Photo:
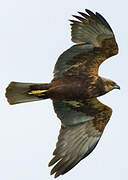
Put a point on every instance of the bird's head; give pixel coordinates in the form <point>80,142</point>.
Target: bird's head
<point>110,85</point>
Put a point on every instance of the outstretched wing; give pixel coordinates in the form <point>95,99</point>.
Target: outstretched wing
<point>83,123</point>
<point>95,43</point>
<point>91,28</point>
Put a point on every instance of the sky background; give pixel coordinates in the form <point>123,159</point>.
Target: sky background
<point>32,36</point>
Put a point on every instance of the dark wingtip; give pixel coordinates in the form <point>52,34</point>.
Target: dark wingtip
<point>88,11</point>
<point>73,21</point>
<point>57,175</point>
<point>50,164</point>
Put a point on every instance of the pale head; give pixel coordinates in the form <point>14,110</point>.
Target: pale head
<point>110,85</point>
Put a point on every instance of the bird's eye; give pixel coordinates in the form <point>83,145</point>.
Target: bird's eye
<point>112,83</point>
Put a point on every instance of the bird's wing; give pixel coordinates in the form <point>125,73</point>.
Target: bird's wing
<point>95,42</point>
<point>83,123</point>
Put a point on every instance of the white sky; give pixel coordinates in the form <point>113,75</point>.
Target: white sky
<point>32,36</point>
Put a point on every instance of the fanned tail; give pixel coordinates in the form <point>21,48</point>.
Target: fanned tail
<point>17,92</point>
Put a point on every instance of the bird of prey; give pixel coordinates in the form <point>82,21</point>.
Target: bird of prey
<point>74,90</point>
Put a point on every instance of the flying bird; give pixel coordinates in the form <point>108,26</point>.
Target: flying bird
<point>74,90</point>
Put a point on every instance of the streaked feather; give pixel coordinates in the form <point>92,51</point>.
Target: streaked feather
<point>95,43</point>
<point>75,142</point>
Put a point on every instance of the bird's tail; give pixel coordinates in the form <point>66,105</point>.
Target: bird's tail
<point>17,92</point>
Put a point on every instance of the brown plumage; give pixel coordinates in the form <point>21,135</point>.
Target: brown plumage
<point>74,91</point>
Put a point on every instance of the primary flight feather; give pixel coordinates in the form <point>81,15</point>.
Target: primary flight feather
<point>74,90</point>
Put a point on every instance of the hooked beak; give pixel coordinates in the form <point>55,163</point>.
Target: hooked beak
<point>117,87</point>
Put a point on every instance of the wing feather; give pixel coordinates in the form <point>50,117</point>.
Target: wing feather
<point>95,42</point>
<point>77,140</point>
<point>94,22</point>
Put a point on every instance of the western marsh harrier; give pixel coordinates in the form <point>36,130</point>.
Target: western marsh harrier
<point>74,90</point>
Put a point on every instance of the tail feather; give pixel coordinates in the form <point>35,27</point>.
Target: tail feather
<point>17,92</point>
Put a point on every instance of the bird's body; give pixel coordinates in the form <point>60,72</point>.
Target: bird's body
<point>73,88</point>
<point>76,88</point>
<point>74,91</point>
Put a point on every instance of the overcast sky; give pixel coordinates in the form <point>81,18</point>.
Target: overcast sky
<point>32,36</point>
